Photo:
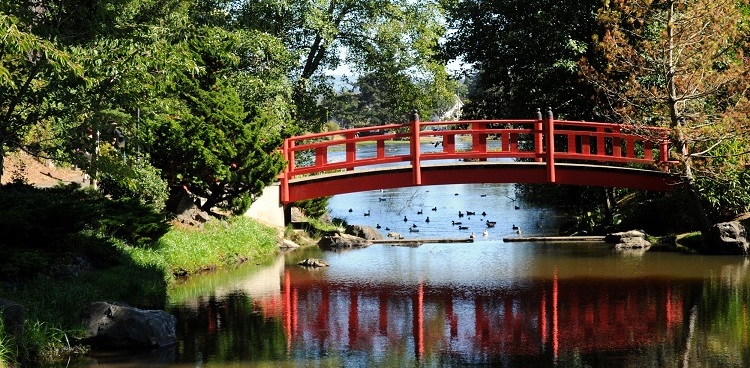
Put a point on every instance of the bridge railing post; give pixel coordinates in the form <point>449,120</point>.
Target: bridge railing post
<point>284,177</point>
<point>351,150</point>
<point>538,143</point>
<point>415,148</point>
<point>664,149</point>
<point>550,135</point>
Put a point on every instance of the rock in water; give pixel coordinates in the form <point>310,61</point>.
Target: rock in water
<point>312,262</point>
<point>727,238</point>
<point>633,239</point>
<point>342,241</point>
<point>117,325</point>
<point>364,232</point>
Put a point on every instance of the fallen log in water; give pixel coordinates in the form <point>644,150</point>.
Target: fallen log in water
<point>418,242</point>
<point>588,238</point>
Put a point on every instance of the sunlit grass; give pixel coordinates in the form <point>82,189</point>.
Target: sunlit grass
<point>185,251</point>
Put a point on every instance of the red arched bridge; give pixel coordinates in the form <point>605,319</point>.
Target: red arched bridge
<point>534,151</point>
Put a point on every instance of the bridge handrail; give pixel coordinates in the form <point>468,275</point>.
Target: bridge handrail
<point>583,141</point>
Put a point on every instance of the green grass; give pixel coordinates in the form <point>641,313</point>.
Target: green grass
<point>184,251</point>
<point>53,305</point>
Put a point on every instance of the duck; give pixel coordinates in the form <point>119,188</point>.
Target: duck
<point>414,226</point>
<point>514,227</point>
<point>419,212</point>
<point>427,219</point>
<point>413,230</point>
<point>518,207</point>
<point>463,228</point>
<point>470,213</point>
<point>351,210</point>
<point>367,213</point>
<point>434,208</point>
<point>377,226</point>
<point>484,213</point>
<point>387,229</point>
<point>490,223</point>
<point>456,222</point>
<point>472,235</point>
<point>405,219</point>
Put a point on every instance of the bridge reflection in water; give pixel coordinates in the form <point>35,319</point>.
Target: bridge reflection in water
<point>542,319</point>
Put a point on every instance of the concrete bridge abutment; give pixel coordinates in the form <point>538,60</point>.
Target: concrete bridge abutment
<point>268,209</point>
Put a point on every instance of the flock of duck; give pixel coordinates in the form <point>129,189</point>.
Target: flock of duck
<point>414,228</point>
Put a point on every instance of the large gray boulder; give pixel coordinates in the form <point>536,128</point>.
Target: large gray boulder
<point>343,241</point>
<point>729,237</point>
<point>13,316</point>
<point>364,232</point>
<point>118,325</point>
<point>632,239</point>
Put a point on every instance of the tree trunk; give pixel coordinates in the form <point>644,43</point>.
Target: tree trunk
<point>2,162</point>
<point>677,124</point>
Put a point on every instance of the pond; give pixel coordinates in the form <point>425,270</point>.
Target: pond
<point>489,302</point>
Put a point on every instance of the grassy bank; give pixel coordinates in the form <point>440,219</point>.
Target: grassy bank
<point>120,265</point>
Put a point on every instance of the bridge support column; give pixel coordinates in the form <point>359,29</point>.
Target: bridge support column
<point>550,137</point>
<point>415,148</point>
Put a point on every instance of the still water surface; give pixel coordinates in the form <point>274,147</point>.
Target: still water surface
<point>487,303</point>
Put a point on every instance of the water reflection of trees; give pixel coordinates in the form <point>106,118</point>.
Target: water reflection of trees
<point>722,321</point>
<point>569,322</point>
<point>229,329</point>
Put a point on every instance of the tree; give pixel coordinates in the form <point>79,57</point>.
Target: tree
<point>523,55</point>
<point>31,65</point>
<point>679,65</point>
<point>210,140</point>
<point>396,39</point>
<point>384,98</point>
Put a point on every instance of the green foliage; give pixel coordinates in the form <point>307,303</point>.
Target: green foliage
<point>211,142</point>
<point>393,39</point>
<point>723,180</point>
<point>49,227</point>
<point>137,180</point>
<point>524,55</point>
<point>314,208</point>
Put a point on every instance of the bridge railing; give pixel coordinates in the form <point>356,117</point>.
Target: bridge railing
<point>541,140</point>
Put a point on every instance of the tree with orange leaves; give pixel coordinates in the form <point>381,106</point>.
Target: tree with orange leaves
<point>681,65</point>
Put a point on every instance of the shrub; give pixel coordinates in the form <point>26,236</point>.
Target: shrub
<point>44,227</point>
